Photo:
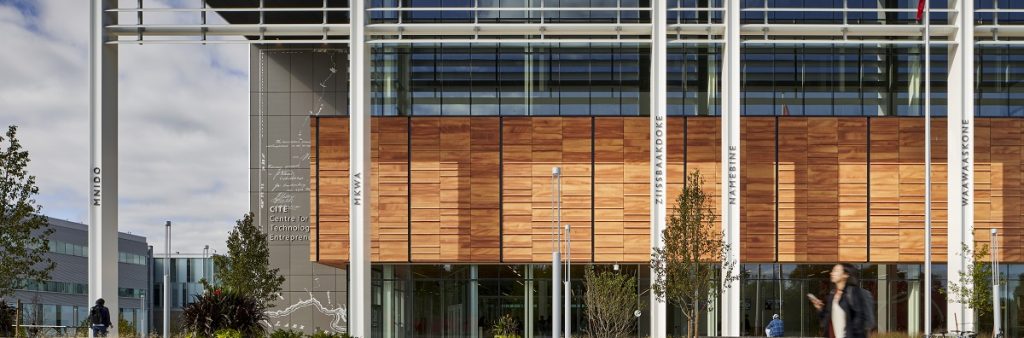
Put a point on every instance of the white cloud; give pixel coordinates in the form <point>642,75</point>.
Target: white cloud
<point>184,128</point>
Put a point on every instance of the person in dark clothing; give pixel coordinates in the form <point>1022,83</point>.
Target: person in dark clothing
<point>844,313</point>
<point>99,318</point>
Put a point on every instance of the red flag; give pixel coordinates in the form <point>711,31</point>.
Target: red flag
<point>920,9</point>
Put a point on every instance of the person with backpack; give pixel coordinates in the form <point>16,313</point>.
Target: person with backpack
<point>99,319</point>
<point>850,310</point>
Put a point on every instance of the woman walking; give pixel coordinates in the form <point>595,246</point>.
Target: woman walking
<point>848,312</point>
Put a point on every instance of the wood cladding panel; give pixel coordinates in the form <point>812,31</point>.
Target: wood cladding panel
<point>676,166</point>
<point>485,188</point>
<point>998,146</point>
<point>459,170</point>
<point>897,190</point>
<point>757,189</point>
<point>531,147</point>
<point>621,189</point>
<point>330,190</point>
<point>852,143</point>
<point>454,189</point>
<point>390,189</point>
<point>704,154</point>
<point>822,189</point>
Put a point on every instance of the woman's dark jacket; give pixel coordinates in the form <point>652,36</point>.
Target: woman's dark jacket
<point>855,309</point>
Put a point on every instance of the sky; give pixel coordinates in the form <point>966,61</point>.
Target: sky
<point>183,133</point>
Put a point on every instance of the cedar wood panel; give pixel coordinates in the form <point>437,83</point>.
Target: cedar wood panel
<point>482,191</point>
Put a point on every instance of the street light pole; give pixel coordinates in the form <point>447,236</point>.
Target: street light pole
<point>568,283</point>
<point>556,250</point>
<point>997,325</point>
<point>167,280</point>
<point>927,172</point>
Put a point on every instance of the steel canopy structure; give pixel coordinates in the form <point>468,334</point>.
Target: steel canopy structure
<point>661,25</point>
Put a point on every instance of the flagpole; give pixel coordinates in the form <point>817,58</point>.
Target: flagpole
<point>927,171</point>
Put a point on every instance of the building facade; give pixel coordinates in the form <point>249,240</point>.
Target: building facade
<point>806,119</point>
<point>62,301</point>
<point>187,271</point>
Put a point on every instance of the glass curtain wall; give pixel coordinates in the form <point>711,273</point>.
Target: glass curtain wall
<point>441,300</point>
<point>511,80</point>
<point>769,289</point>
<point>1000,88</point>
<point>845,80</point>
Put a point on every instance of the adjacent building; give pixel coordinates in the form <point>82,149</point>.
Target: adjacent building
<point>62,301</point>
<point>187,271</point>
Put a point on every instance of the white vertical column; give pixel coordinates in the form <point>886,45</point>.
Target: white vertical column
<point>960,156</point>
<point>658,113</point>
<point>359,312</point>
<point>103,158</point>
<point>913,309</point>
<point>882,308</point>
<point>388,301</point>
<point>731,166</point>
<point>474,303</point>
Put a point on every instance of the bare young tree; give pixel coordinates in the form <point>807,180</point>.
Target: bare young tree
<point>688,269</point>
<point>611,299</point>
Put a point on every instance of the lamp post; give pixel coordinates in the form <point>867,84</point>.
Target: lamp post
<point>556,250</point>
<point>568,283</point>
<point>167,280</point>
<point>927,172</point>
<point>997,325</point>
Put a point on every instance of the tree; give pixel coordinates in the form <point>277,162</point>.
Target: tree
<point>975,288</point>
<point>246,268</point>
<point>689,268</point>
<point>24,232</point>
<point>611,299</point>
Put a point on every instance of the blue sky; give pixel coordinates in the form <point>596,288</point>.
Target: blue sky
<point>184,126</point>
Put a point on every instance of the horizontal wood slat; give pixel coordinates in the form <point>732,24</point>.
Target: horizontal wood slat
<point>998,145</point>
<point>757,189</point>
<point>897,189</point>
<point>390,192</point>
<point>622,189</point>
<point>532,146</point>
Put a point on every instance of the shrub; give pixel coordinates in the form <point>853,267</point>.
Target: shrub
<point>227,333</point>
<point>506,327</point>
<point>325,334</point>
<point>286,333</point>
<point>611,299</point>
<point>218,309</point>
<point>126,329</point>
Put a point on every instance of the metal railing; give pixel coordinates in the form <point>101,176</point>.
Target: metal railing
<point>535,21</point>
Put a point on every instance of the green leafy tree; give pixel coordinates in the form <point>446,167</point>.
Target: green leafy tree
<point>246,268</point>
<point>975,289</point>
<point>687,268</point>
<point>24,232</point>
<point>611,300</point>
